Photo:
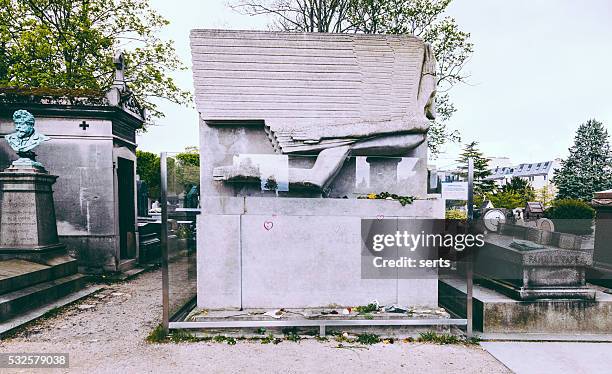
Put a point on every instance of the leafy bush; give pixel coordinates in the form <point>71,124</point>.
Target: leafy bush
<point>509,199</point>
<point>363,309</point>
<point>455,214</point>
<point>571,216</point>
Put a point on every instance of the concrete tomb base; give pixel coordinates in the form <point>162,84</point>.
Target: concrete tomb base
<point>34,266</point>
<point>495,312</point>
<point>298,253</point>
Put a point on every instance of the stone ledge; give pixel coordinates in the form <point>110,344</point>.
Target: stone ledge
<point>430,207</point>
<point>497,313</point>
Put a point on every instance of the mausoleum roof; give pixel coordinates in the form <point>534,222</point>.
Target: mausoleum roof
<point>61,101</point>
<point>45,95</point>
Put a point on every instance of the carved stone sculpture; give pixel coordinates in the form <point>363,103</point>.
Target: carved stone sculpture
<point>331,95</point>
<point>25,139</point>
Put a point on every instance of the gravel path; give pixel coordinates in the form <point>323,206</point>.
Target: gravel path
<point>105,333</point>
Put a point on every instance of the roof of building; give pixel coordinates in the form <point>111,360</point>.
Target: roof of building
<point>535,207</point>
<point>522,170</point>
<point>39,100</point>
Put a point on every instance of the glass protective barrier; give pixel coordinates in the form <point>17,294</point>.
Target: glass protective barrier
<point>300,233</point>
<point>179,209</point>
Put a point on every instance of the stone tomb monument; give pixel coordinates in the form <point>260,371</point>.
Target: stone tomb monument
<point>93,153</point>
<point>294,127</point>
<point>34,265</point>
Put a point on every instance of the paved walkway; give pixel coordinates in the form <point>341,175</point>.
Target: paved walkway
<point>545,358</point>
<point>105,333</point>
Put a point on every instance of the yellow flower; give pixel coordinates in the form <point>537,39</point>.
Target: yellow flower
<point>372,196</point>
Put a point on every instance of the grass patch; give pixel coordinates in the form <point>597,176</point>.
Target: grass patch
<point>368,339</point>
<point>218,339</point>
<point>225,339</point>
<point>344,338</point>
<point>271,339</point>
<point>179,336</point>
<point>292,334</point>
<point>157,335</point>
<point>293,338</point>
<point>433,337</point>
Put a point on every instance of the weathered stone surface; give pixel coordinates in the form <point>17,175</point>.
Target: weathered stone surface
<point>603,195</point>
<point>498,313</point>
<point>533,274</point>
<point>84,160</point>
<point>27,213</point>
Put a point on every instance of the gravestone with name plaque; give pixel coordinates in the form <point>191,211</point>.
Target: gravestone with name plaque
<point>27,212</point>
<point>35,267</point>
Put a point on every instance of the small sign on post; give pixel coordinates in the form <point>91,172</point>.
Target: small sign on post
<point>455,191</point>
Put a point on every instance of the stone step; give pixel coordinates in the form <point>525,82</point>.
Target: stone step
<point>17,273</point>
<point>496,313</point>
<point>16,302</point>
<point>125,265</point>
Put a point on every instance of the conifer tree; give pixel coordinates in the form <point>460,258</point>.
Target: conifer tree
<point>482,186</point>
<point>588,168</point>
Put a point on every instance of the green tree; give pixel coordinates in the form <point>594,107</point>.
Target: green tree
<point>588,168</point>
<point>70,44</point>
<point>546,194</point>
<point>482,186</point>
<point>191,156</point>
<point>148,169</point>
<point>508,199</point>
<point>520,186</point>
<point>187,169</point>
<point>422,18</point>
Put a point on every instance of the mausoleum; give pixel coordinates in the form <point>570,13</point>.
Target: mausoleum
<point>93,153</point>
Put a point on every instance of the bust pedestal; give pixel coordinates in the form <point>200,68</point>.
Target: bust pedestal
<point>27,212</point>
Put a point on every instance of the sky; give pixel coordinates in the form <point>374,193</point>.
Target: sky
<point>539,69</point>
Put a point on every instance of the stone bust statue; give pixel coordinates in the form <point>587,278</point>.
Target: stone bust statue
<point>25,139</point>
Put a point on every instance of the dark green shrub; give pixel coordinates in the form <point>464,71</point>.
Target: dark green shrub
<point>571,216</point>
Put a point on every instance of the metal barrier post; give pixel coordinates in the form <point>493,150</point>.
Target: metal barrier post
<point>164,242</point>
<point>469,269</point>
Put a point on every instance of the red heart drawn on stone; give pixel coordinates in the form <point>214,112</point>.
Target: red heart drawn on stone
<point>380,216</point>
<point>268,225</point>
